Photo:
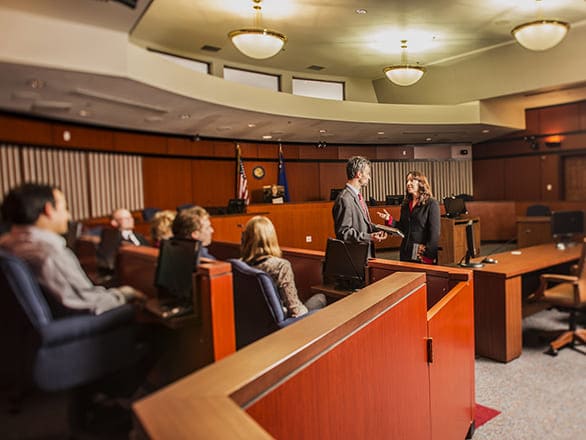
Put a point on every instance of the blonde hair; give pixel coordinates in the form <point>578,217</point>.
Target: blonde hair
<point>161,225</point>
<point>259,239</point>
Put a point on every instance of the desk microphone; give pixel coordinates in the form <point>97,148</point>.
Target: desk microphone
<point>488,260</point>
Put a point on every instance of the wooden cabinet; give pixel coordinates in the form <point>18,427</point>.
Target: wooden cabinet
<point>453,239</point>
<point>533,230</point>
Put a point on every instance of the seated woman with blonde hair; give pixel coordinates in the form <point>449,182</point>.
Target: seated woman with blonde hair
<point>161,226</point>
<point>260,249</point>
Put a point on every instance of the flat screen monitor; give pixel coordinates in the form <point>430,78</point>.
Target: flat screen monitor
<point>567,224</point>
<point>334,193</point>
<point>107,250</point>
<point>236,206</point>
<point>394,200</point>
<point>345,264</point>
<point>471,250</point>
<point>455,207</point>
<point>175,266</point>
<point>270,192</point>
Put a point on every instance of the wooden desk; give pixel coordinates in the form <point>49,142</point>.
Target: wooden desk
<point>498,297</point>
<point>330,291</point>
<point>533,230</point>
<point>453,238</point>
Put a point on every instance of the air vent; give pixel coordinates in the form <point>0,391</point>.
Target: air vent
<point>314,67</point>
<point>58,106</point>
<point>209,48</point>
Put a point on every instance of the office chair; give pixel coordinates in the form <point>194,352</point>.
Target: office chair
<point>568,294</point>
<point>53,353</point>
<point>257,305</point>
<point>538,211</point>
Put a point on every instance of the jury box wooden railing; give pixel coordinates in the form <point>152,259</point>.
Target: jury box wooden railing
<point>363,367</point>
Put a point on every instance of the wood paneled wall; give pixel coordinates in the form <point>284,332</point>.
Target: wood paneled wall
<point>523,166</point>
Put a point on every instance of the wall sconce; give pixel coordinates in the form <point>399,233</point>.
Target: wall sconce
<point>553,141</point>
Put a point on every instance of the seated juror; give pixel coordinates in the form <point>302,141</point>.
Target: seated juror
<point>38,214</point>
<point>194,223</point>
<point>123,220</point>
<point>260,249</point>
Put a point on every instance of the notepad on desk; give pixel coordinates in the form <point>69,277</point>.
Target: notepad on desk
<point>390,230</point>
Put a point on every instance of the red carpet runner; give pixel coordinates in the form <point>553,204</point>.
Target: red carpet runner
<point>484,414</point>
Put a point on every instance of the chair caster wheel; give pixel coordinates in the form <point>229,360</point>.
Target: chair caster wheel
<point>552,352</point>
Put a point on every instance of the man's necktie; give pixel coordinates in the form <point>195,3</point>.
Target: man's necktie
<point>363,205</point>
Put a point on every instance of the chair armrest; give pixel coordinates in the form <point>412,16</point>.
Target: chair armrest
<point>82,326</point>
<point>558,278</point>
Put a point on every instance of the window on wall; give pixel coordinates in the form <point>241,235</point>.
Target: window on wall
<point>254,79</point>
<point>318,89</point>
<point>198,66</point>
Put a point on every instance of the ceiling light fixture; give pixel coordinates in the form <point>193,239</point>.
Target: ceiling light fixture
<point>540,34</point>
<point>257,42</point>
<point>404,74</point>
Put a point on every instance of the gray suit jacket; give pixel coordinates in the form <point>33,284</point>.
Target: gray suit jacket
<point>350,222</point>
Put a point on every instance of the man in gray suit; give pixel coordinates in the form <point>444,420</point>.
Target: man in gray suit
<point>351,218</point>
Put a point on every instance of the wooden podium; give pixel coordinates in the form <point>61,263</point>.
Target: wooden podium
<point>453,238</point>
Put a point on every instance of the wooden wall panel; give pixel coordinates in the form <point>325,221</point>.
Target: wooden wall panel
<point>139,143</point>
<point>551,184</point>
<point>395,152</point>
<point>82,137</point>
<point>303,181</point>
<point>224,149</point>
<point>489,178</point>
<point>314,153</point>
<point>522,179</point>
<point>583,115</point>
<point>26,131</point>
<point>188,147</point>
<point>331,175</point>
<point>167,182</point>
<point>531,124</point>
<point>559,118</point>
<point>249,150</point>
<point>291,151</point>
<point>497,219</point>
<point>214,182</point>
<point>346,152</point>
<point>575,178</point>
<point>268,151</point>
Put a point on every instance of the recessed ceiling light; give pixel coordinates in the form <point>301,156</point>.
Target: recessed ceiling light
<point>85,113</point>
<point>428,139</point>
<point>185,116</point>
<point>322,131</point>
<point>267,136</point>
<point>380,133</point>
<point>486,130</point>
<point>251,125</point>
<point>361,11</point>
<point>153,119</point>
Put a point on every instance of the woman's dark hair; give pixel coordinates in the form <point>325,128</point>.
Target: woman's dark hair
<point>24,204</point>
<point>424,188</point>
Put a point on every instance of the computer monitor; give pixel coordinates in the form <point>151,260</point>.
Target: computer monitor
<point>107,250</point>
<point>566,225</point>
<point>236,206</point>
<point>334,193</point>
<point>345,264</point>
<point>394,199</point>
<point>455,207</point>
<point>177,261</point>
<point>471,250</point>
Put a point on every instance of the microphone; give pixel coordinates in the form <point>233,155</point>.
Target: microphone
<point>489,260</point>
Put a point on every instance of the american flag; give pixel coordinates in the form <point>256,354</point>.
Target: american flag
<point>242,185</point>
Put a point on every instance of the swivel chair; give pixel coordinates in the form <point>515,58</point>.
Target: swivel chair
<point>538,211</point>
<point>258,311</point>
<point>53,353</point>
<point>567,293</point>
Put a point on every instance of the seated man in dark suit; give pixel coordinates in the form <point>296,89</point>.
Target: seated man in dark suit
<point>39,216</point>
<point>123,220</point>
<point>194,223</point>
